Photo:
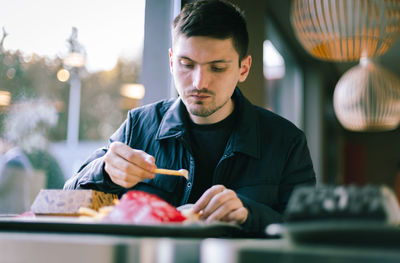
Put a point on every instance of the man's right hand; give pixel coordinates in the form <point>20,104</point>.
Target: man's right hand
<point>126,166</point>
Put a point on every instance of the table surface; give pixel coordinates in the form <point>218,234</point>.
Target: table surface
<point>56,247</point>
<point>27,244</point>
<point>198,229</point>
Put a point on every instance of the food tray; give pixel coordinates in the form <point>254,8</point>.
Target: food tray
<point>345,232</point>
<point>75,225</point>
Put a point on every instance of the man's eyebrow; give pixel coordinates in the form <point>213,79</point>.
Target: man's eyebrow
<point>210,62</point>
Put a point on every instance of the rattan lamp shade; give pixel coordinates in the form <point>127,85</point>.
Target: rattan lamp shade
<point>346,30</point>
<point>367,98</point>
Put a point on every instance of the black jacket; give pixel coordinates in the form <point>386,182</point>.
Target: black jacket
<point>265,158</point>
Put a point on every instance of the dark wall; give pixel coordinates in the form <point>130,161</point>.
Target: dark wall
<point>371,157</point>
<point>254,87</point>
<point>348,157</point>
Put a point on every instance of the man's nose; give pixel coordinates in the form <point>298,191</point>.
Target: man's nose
<point>200,78</point>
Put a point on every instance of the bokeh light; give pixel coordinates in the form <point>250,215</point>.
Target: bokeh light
<point>133,91</point>
<point>63,75</point>
<point>5,98</point>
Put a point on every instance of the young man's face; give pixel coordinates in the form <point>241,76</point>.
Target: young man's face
<point>206,71</point>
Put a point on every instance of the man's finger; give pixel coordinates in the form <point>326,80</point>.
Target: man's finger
<point>206,197</point>
<point>137,157</point>
<point>119,177</point>
<point>223,210</point>
<point>239,215</point>
<point>113,160</point>
<point>221,200</point>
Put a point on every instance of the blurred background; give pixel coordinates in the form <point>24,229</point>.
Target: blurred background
<point>70,71</point>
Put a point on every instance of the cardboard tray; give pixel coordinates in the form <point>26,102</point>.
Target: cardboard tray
<point>68,202</point>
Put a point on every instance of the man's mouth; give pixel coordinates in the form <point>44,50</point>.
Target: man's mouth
<point>200,96</point>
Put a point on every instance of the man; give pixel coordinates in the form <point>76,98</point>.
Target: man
<point>243,161</point>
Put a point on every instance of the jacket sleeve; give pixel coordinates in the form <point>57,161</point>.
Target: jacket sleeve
<point>91,175</point>
<point>298,170</point>
<point>259,217</point>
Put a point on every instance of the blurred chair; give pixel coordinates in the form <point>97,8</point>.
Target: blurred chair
<point>16,174</point>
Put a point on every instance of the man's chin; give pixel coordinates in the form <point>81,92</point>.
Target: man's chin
<point>200,111</point>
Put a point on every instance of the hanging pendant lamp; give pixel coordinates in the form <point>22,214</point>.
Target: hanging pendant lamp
<point>346,30</point>
<point>367,98</point>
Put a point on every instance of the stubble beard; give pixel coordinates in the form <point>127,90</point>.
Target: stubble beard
<point>200,109</point>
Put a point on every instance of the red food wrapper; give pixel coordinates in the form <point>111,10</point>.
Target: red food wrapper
<point>137,207</point>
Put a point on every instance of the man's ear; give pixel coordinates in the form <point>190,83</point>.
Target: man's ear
<point>170,59</point>
<point>245,66</point>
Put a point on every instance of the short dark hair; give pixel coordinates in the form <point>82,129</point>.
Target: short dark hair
<point>213,18</point>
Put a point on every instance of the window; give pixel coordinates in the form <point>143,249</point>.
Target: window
<point>69,72</point>
<point>283,77</point>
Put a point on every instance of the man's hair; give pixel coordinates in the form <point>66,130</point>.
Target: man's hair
<point>216,19</point>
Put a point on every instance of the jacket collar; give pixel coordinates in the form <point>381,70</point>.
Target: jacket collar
<point>245,137</point>
<point>172,123</point>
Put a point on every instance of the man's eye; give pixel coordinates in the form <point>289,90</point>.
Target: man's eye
<point>186,64</point>
<point>217,69</point>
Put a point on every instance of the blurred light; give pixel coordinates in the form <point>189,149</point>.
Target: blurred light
<point>75,60</point>
<point>274,64</point>
<point>11,73</point>
<point>5,98</point>
<point>63,75</point>
<point>367,98</point>
<point>133,91</point>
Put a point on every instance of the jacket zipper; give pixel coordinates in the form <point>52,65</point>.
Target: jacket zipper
<point>189,183</point>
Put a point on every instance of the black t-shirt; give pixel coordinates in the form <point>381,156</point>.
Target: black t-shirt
<point>208,142</point>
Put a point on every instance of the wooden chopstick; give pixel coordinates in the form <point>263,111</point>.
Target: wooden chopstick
<point>181,172</point>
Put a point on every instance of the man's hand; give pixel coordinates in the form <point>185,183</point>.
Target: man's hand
<point>220,203</point>
<point>127,166</point>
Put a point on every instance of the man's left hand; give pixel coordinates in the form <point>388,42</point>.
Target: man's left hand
<point>220,203</point>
